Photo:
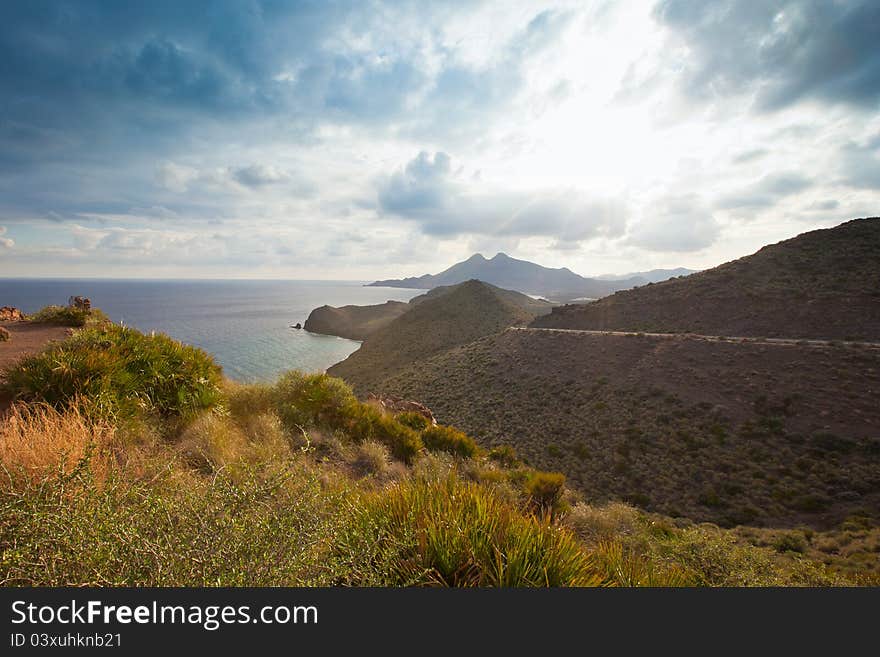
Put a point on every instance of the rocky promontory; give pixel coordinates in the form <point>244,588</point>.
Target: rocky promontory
<point>354,322</point>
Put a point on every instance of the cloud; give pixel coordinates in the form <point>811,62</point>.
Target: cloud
<point>5,242</point>
<point>257,175</point>
<point>236,136</point>
<point>824,206</point>
<point>447,203</point>
<point>174,177</point>
<point>766,192</point>
<point>859,164</point>
<point>781,52</point>
<point>676,224</point>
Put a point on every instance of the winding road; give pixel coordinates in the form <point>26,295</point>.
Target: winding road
<point>794,342</point>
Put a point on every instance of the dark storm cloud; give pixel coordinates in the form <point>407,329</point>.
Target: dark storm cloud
<point>782,51</point>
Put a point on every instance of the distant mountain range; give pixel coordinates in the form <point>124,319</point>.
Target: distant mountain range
<point>512,274</point>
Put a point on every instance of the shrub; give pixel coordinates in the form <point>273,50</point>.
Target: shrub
<point>403,442</point>
<point>363,422</point>
<point>413,420</point>
<point>371,458</point>
<point>452,533</point>
<point>812,503</point>
<point>117,371</point>
<point>5,335</point>
<point>828,442</point>
<point>213,442</point>
<point>67,316</point>
<point>245,400</point>
<point>446,439</point>
<point>596,524</point>
<point>545,490</point>
<point>791,542</point>
<point>505,455</point>
<point>304,400</point>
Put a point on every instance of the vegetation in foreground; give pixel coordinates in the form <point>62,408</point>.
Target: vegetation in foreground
<point>777,438</point>
<point>299,483</point>
<point>68,316</point>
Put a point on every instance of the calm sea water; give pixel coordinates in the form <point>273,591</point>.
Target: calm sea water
<point>245,324</point>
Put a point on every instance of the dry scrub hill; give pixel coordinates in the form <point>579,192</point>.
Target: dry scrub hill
<point>444,319</point>
<point>774,435</point>
<point>822,284</point>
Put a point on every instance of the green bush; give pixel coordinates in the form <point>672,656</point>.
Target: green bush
<point>304,400</point>
<point>67,316</point>
<point>545,490</point>
<point>791,542</point>
<point>403,442</point>
<point>446,439</point>
<point>452,533</point>
<point>116,371</point>
<point>505,455</point>
<point>363,422</point>
<point>413,420</point>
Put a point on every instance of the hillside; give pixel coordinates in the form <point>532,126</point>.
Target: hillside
<point>354,322</point>
<point>443,320</point>
<point>822,284</point>
<point>652,276</point>
<point>732,433</point>
<point>360,322</point>
<point>512,274</point>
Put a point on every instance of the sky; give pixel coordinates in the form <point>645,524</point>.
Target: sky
<point>363,140</point>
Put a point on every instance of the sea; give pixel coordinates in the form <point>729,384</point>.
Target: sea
<point>245,324</point>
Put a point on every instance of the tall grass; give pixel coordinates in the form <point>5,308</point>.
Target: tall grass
<point>453,533</point>
<point>215,531</point>
<point>37,443</point>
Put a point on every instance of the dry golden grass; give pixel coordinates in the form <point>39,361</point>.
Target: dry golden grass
<point>596,524</point>
<point>39,442</point>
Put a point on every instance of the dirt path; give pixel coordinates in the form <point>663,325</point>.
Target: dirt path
<point>26,339</point>
<point>711,338</point>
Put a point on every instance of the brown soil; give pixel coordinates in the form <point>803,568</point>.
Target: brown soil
<point>26,338</point>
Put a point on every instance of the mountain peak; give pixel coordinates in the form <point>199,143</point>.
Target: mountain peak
<point>477,257</point>
<point>501,256</point>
